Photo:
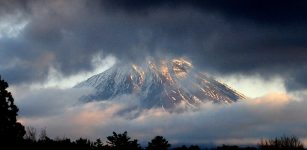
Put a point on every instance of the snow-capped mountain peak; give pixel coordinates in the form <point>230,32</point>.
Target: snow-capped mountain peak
<point>164,83</point>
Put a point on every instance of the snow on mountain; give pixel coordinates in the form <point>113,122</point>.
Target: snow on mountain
<point>165,83</point>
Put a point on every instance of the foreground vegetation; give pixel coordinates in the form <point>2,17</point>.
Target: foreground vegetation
<point>121,141</point>
<point>14,136</point>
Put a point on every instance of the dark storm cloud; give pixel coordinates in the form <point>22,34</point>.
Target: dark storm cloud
<point>244,37</point>
<point>272,11</point>
<point>13,6</point>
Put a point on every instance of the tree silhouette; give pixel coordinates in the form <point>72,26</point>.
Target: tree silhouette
<point>84,144</point>
<point>30,134</point>
<point>98,145</point>
<point>122,142</point>
<point>11,131</point>
<point>194,147</point>
<point>183,147</point>
<point>281,143</point>
<point>158,143</point>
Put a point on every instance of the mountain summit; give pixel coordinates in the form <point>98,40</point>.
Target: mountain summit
<point>165,83</point>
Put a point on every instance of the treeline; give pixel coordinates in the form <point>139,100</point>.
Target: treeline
<point>121,141</point>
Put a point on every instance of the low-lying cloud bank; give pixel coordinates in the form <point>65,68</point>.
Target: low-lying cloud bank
<point>244,122</point>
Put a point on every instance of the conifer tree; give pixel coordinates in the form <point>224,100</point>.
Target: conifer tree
<point>11,131</point>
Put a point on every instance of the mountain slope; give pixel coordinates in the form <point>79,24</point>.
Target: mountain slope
<point>159,84</point>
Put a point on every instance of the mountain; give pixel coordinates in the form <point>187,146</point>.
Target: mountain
<point>165,83</point>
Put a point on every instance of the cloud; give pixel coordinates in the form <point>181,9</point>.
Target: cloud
<point>224,37</point>
<point>253,85</point>
<point>49,101</point>
<point>56,79</point>
<point>8,7</point>
<point>273,11</point>
<point>269,116</point>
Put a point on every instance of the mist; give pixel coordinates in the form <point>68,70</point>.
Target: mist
<point>243,122</point>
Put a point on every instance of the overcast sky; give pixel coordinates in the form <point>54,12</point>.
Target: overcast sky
<point>256,46</point>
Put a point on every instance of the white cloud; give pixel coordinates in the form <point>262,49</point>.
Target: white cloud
<point>49,101</point>
<point>253,85</point>
<point>12,25</point>
<point>246,121</point>
<point>56,79</point>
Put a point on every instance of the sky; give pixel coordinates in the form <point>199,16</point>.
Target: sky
<point>257,47</point>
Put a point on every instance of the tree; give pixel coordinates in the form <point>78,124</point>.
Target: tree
<point>98,145</point>
<point>122,142</point>
<point>281,143</point>
<point>183,147</point>
<point>11,131</point>
<point>30,134</point>
<point>43,135</point>
<point>194,147</point>
<point>228,147</point>
<point>158,143</point>
<point>83,144</point>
